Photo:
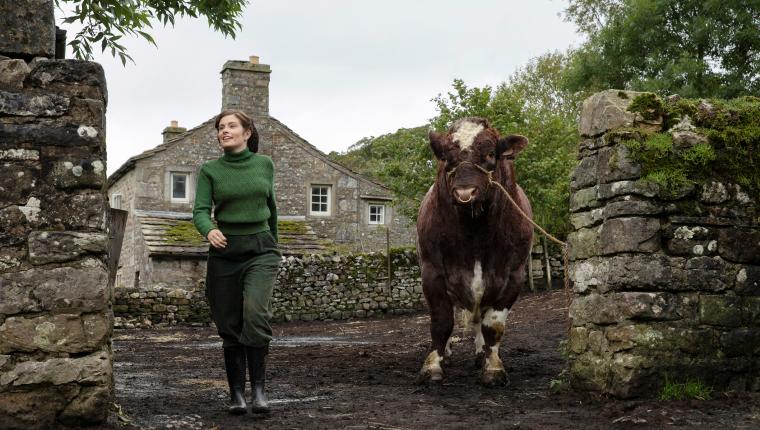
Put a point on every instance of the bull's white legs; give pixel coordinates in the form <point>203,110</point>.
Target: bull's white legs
<point>431,369</point>
<point>441,326</point>
<point>490,333</point>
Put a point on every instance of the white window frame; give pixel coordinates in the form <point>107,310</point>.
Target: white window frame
<point>116,197</point>
<point>328,203</point>
<point>381,214</point>
<point>186,199</point>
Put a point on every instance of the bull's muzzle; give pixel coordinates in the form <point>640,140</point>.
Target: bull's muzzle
<point>465,195</point>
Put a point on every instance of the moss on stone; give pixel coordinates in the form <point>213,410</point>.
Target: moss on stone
<point>293,227</point>
<point>649,105</point>
<point>184,232</point>
<point>731,153</point>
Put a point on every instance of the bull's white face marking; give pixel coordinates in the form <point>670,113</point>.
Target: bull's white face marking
<point>466,133</point>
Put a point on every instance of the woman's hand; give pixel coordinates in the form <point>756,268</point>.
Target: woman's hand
<point>216,238</point>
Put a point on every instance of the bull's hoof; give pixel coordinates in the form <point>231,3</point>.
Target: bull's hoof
<point>494,378</point>
<point>430,376</point>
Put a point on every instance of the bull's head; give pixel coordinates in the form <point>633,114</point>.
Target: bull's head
<point>470,152</point>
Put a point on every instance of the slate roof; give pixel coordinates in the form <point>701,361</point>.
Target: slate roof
<point>173,234</point>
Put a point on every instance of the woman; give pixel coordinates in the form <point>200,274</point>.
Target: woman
<point>243,256</point>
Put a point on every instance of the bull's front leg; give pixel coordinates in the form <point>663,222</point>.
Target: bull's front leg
<point>492,327</point>
<point>491,331</point>
<point>441,326</point>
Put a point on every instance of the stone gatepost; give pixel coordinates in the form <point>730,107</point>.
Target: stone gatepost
<point>55,317</point>
<point>666,285</point>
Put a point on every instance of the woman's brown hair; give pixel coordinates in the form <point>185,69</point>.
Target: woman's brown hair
<point>246,122</point>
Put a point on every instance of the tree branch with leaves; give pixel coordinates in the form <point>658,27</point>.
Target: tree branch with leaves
<point>105,22</point>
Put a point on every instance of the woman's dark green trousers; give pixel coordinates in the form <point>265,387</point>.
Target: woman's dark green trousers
<point>239,283</point>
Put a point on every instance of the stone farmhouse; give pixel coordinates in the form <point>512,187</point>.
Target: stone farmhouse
<point>322,205</point>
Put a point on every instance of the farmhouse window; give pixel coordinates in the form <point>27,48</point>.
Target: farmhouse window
<point>376,214</point>
<point>116,201</point>
<point>179,187</point>
<point>320,200</point>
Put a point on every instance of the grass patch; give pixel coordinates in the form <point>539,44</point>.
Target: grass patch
<point>560,384</point>
<point>691,389</point>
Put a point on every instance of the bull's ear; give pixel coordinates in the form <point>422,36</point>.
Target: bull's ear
<point>510,146</point>
<point>437,143</point>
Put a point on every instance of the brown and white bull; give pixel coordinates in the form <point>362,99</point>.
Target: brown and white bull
<point>472,243</point>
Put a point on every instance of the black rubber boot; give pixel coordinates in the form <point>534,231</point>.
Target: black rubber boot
<point>257,370</point>
<point>234,363</point>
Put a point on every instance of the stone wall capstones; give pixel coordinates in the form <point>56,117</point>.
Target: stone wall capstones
<point>55,317</point>
<point>666,283</point>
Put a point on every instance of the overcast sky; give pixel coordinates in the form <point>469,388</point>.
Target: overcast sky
<point>341,69</point>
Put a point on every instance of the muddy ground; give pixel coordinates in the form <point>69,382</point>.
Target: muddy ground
<point>360,375</point>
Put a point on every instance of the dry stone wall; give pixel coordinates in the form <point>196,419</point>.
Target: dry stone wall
<point>537,270</point>
<point>55,316</point>
<point>312,287</point>
<point>667,285</point>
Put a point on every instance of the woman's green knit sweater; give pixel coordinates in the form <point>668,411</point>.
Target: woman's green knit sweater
<point>241,189</point>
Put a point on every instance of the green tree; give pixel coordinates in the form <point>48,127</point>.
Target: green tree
<point>694,48</point>
<point>531,102</point>
<point>402,161</point>
<point>106,21</point>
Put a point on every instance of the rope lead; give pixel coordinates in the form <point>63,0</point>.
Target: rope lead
<point>565,257</point>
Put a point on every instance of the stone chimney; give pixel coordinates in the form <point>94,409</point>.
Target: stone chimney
<point>172,131</point>
<point>28,29</point>
<point>245,86</point>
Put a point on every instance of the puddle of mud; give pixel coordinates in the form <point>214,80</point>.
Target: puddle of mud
<point>294,341</point>
<point>301,400</point>
<point>288,342</point>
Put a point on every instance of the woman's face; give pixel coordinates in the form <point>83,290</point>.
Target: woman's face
<point>231,134</point>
